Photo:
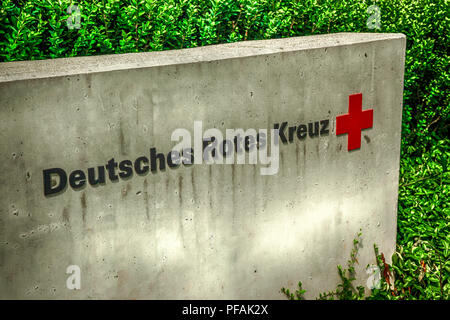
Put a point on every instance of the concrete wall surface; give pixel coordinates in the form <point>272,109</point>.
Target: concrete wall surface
<point>198,231</point>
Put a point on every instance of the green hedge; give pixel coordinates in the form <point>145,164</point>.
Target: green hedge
<point>37,30</point>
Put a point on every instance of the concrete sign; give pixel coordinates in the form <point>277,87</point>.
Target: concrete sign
<point>225,171</point>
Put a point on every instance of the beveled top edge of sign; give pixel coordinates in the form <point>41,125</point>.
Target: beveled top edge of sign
<point>39,69</point>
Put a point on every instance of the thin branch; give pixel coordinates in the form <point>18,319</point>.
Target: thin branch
<point>422,179</point>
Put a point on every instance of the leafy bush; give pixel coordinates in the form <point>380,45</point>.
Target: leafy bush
<point>37,30</point>
<point>345,290</point>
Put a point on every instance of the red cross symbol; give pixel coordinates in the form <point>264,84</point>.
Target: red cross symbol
<point>354,121</point>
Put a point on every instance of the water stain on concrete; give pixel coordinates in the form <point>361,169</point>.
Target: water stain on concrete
<point>233,190</point>
<point>83,206</point>
<point>282,163</point>
<point>121,140</point>
<point>65,215</point>
<point>180,190</point>
<point>167,184</point>
<point>125,190</point>
<point>210,184</point>
<point>146,199</point>
<point>194,191</point>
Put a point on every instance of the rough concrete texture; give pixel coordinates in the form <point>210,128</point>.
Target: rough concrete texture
<point>203,231</point>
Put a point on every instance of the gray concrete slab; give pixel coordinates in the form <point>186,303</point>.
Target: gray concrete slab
<point>200,231</point>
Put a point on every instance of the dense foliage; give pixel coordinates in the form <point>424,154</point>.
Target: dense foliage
<point>37,30</point>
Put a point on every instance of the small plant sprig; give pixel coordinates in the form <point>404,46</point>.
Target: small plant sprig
<point>345,290</point>
<point>408,277</point>
<point>297,295</point>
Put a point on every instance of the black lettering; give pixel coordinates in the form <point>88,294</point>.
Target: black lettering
<point>226,147</point>
<point>48,188</point>
<point>324,129</point>
<point>139,168</point>
<point>249,143</point>
<point>302,132</point>
<point>173,159</point>
<point>206,145</point>
<point>188,156</point>
<point>93,181</point>
<point>313,133</point>
<point>291,133</point>
<point>157,156</point>
<point>111,167</point>
<point>281,131</point>
<point>126,169</point>
<point>77,179</point>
